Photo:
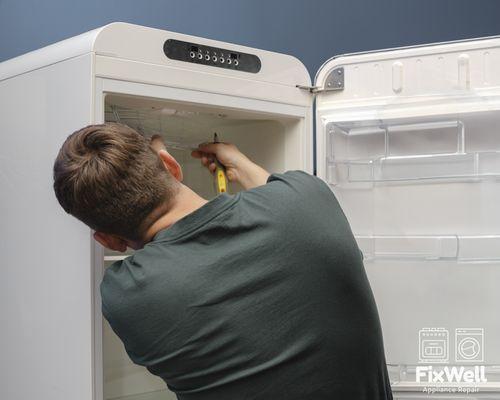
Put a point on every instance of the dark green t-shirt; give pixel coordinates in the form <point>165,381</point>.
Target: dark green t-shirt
<point>260,295</point>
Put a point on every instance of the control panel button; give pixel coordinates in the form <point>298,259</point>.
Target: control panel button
<point>211,56</point>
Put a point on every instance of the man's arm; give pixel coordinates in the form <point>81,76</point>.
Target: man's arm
<point>239,168</point>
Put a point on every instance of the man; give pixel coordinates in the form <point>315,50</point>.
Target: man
<point>258,295</point>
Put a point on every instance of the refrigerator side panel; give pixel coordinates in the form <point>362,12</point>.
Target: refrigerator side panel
<point>46,285</point>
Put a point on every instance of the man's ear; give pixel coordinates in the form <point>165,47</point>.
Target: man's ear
<point>171,164</point>
<point>111,242</point>
<point>157,143</point>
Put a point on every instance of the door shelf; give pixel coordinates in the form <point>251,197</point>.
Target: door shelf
<point>464,147</point>
<point>463,249</point>
<point>467,166</point>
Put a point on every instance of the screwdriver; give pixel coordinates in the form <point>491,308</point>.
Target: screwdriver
<point>220,173</point>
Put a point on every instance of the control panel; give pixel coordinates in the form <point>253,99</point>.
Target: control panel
<point>213,56</point>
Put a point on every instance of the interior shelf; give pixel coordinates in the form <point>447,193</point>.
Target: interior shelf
<point>446,247</point>
<point>112,256</point>
<point>462,248</point>
<point>463,147</point>
<point>156,395</point>
<point>115,257</point>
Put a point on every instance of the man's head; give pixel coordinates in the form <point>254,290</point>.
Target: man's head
<point>115,181</point>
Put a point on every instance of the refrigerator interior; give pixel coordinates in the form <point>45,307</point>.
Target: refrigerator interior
<point>270,140</point>
<point>422,195</point>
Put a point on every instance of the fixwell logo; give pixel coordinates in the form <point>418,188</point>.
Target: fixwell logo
<point>430,374</point>
<point>434,348</point>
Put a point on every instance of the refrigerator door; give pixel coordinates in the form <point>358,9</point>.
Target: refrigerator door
<point>409,141</point>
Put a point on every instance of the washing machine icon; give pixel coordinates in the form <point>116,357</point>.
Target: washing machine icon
<point>469,345</point>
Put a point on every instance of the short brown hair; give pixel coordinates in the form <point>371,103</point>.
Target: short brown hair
<point>110,178</point>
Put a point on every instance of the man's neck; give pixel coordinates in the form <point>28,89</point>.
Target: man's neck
<point>186,201</point>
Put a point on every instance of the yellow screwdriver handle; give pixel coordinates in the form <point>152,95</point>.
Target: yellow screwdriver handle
<point>220,178</point>
<point>220,174</point>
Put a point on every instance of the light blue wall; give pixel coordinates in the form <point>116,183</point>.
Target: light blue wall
<point>311,30</point>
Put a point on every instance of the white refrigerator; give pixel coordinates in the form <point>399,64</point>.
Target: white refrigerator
<point>408,139</point>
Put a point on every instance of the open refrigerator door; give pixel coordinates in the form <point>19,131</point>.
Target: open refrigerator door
<point>409,142</point>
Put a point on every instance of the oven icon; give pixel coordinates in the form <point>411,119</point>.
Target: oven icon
<point>433,345</point>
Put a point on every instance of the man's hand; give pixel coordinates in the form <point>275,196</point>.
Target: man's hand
<point>239,168</point>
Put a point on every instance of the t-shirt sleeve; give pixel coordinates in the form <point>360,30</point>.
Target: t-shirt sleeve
<point>312,196</point>
<point>307,196</point>
<point>302,183</point>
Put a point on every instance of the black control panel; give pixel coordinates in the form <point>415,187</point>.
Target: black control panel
<point>213,56</point>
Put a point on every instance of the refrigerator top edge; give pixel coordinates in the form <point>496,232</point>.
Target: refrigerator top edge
<point>66,49</point>
<point>436,78</point>
<point>126,41</point>
<point>398,52</point>
<point>374,81</point>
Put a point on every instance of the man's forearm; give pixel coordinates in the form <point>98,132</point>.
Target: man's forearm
<point>239,167</point>
<point>251,175</point>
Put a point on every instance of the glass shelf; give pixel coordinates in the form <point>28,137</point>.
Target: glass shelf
<point>447,247</point>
